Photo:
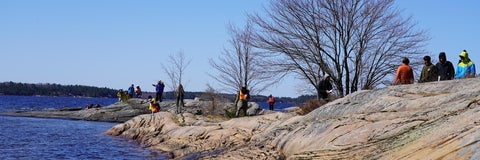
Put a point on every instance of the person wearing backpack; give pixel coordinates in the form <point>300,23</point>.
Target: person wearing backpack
<point>271,102</point>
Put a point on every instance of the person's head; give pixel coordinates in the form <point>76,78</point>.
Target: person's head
<point>132,85</point>
<point>427,60</point>
<point>270,95</point>
<point>442,57</point>
<point>464,56</point>
<point>405,60</point>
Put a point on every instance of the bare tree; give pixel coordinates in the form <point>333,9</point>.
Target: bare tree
<point>358,43</point>
<point>175,68</point>
<point>240,65</point>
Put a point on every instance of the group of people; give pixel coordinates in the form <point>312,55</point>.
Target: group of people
<point>243,97</point>
<point>154,102</point>
<point>132,92</point>
<point>443,70</point>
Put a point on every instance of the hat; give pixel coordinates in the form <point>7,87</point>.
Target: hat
<point>442,54</point>
<point>464,54</point>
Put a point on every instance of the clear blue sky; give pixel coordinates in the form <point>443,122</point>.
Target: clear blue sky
<point>115,43</point>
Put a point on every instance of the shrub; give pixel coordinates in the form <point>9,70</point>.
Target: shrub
<point>310,105</point>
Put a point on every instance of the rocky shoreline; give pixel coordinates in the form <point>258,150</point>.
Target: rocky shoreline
<point>437,120</point>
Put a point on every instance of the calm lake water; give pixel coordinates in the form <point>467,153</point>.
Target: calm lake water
<point>41,138</point>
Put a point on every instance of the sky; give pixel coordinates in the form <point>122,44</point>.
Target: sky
<point>116,43</point>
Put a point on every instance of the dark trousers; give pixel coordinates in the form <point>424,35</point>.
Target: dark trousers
<point>180,103</point>
<point>323,94</point>
<point>243,106</point>
<point>270,106</point>
<point>158,96</point>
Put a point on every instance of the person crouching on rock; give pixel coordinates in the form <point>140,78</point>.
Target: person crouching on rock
<point>243,97</point>
<point>154,106</point>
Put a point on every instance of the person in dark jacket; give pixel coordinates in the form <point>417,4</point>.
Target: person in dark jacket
<point>429,71</point>
<point>445,68</point>
<point>159,87</point>
<point>180,94</point>
<point>325,87</point>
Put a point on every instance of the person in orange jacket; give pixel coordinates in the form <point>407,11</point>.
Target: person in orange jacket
<point>271,102</point>
<point>404,73</point>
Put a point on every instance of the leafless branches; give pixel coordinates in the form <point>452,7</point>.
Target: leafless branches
<point>357,42</point>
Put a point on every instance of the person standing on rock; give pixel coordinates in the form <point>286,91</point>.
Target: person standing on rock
<point>271,102</point>
<point>120,95</point>
<point>159,87</point>
<point>325,87</point>
<point>138,92</point>
<point>445,68</point>
<point>180,94</point>
<point>429,71</point>
<point>243,98</point>
<point>404,73</point>
<point>130,91</point>
<point>465,68</point>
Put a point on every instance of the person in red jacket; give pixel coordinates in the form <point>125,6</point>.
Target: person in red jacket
<point>271,102</point>
<point>404,73</point>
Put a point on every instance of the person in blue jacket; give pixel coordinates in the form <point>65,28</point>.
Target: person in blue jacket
<point>159,87</point>
<point>130,91</point>
<point>465,68</point>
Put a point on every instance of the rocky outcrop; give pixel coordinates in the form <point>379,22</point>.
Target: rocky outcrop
<point>123,111</point>
<point>117,112</point>
<point>437,120</point>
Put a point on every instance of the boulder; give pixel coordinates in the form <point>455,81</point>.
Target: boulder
<point>437,120</point>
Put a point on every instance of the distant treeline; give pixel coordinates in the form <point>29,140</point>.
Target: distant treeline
<point>48,89</point>
<point>254,98</point>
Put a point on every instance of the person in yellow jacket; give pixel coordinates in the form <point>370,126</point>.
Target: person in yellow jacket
<point>465,68</point>
<point>154,106</point>
<point>243,98</point>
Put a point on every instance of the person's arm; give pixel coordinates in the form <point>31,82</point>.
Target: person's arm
<point>397,77</point>
<point>451,70</point>
<point>411,75</point>
<point>472,69</point>
<point>422,75</point>
<point>435,73</point>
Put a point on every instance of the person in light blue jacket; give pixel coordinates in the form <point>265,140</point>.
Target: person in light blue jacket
<point>465,68</point>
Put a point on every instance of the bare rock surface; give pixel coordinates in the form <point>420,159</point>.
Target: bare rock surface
<point>124,111</point>
<point>438,120</point>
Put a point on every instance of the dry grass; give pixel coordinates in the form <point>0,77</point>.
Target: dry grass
<point>310,105</point>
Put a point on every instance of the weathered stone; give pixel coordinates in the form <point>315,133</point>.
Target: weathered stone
<point>437,120</point>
